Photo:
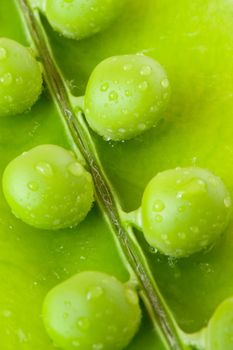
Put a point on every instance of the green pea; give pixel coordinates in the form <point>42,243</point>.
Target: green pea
<point>125,96</point>
<point>48,188</point>
<point>185,210</point>
<point>79,19</point>
<point>20,78</point>
<point>220,328</point>
<point>92,311</point>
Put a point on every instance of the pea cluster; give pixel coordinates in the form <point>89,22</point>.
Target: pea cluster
<point>183,210</point>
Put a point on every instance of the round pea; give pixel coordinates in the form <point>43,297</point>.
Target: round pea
<point>48,188</point>
<point>125,96</point>
<point>220,328</point>
<point>185,210</point>
<point>20,78</point>
<point>79,19</point>
<point>91,311</point>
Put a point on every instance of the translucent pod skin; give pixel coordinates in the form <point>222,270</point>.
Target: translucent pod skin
<point>92,310</point>
<point>220,328</point>
<point>79,19</point>
<point>184,211</point>
<point>48,188</point>
<point>20,78</point>
<point>125,96</point>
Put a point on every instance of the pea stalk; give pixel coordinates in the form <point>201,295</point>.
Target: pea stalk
<point>81,142</point>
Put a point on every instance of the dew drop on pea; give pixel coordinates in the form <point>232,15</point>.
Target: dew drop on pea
<point>6,79</point>
<point>76,169</point>
<point>113,96</point>
<point>165,83</point>
<point>227,202</point>
<point>127,67</point>
<point>158,205</point>
<point>3,53</point>
<point>95,293</point>
<point>146,70</point>
<point>45,169</point>
<point>104,87</point>
<point>33,186</point>
<point>143,86</point>
<point>83,323</point>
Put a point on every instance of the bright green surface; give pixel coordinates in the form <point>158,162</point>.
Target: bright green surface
<point>125,96</point>
<point>33,261</point>
<point>20,78</point>
<point>48,188</point>
<point>184,211</point>
<point>90,311</point>
<point>193,40</point>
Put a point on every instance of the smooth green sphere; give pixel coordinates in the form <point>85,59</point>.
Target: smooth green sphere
<point>78,19</point>
<point>92,311</point>
<point>185,210</point>
<point>48,188</point>
<point>20,78</point>
<point>220,328</point>
<point>125,96</point>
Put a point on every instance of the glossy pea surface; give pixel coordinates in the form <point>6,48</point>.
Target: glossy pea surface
<point>220,328</point>
<point>20,78</point>
<point>184,211</point>
<point>91,311</point>
<point>125,96</point>
<point>48,188</point>
<point>79,19</point>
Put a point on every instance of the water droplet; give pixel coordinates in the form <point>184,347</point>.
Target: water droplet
<point>45,169</point>
<point>113,96</point>
<point>227,202</point>
<point>131,296</point>
<point>7,313</point>
<point>125,111</point>
<point>32,186</point>
<point>23,338</point>
<point>75,169</point>
<point>65,315</point>
<point>19,80</point>
<point>95,293</point>
<point>6,79</point>
<point>158,205</point>
<point>158,218</point>
<point>180,195</point>
<point>146,70</point>
<point>97,346</point>
<point>128,93</point>
<point>8,98</point>
<point>56,222</point>
<point>83,323</point>
<point>3,53</point>
<point>76,344</point>
<point>104,87</point>
<point>182,208</point>
<point>141,126</point>
<point>127,67</point>
<point>143,86</point>
<point>153,109</point>
<point>182,235</point>
<point>195,229</point>
<point>165,83</point>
